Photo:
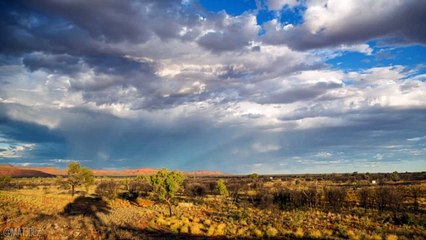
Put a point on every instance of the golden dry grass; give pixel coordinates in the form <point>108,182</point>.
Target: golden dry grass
<point>43,209</point>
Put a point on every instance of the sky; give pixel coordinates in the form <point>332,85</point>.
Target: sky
<point>242,86</point>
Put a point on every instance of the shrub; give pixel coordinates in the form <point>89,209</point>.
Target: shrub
<point>5,182</point>
<point>395,176</point>
<point>196,190</point>
<point>211,230</point>
<point>140,186</point>
<point>107,189</point>
<point>282,198</point>
<point>221,188</point>
<point>299,233</point>
<point>315,234</point>
<point>297,198</point>
<point>184,229</point>
<point>381,198</point>
<point>415,192</point>
<point>258,233</point>
<point>388,197</point>
<point>365,197</point>
<point>264,199</point>
<point>335,197</point>
<point>195,229</point>
<point>235,188</point>
<point>395,199</point>
<point>312,197</point>
<point>220,229</point>
<point>211,186</point>
<point>62,183</point>
<point>271,232</point>
<point>391,237</point>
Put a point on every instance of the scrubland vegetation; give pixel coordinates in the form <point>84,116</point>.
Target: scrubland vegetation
<point>170,206</point>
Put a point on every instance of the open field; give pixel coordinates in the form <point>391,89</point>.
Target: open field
<point>273,207</point>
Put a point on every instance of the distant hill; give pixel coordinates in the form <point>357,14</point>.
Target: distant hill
<point>14,171</point>
<point>9,170</point>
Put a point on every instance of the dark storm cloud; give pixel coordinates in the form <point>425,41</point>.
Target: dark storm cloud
<point>61,63</point>
<point>104,20</point>
<point>166,83</point>
<point>230,34</point>
<point>221,41</point>
<point>25,29</point>
<point>45,143</point>
<point>76,39</point>
<point>107,70</point>
<point>117,65</point>
<point>67,64</point>
<point>376,131</point>
<point>402,22</point>
<point>299,93</point>
<point>102,139</point>
<point>91,27</point>
<point>116,21</point>
<point>21,131</point>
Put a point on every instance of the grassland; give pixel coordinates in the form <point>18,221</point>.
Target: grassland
<point>257,208</point>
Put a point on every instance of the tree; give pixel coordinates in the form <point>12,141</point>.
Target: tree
<point>87,178</point>
<point>5,181</point>
<point>395,176</point>
<point>165,184</point>
<point>253,176</point>
<point>221,188</point>
<point>78,175</point>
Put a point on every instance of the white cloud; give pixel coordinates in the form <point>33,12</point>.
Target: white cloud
<point>16,151</point>
<point>324,154</point>
<point>277,5</point>
<point>362,48</point>
<point>262,148</point>
<point>379,156</point>
<point>214,72</point>
<point>333,22</point>
<point>416,139</point>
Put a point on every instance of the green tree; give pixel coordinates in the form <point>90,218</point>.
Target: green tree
<point>5,181</point>
<point>253,176</point>
<point>87,178</point>
<point>395,176</point>
<point>221,188</point>
<point>78,175</point>
<point>165,184</point>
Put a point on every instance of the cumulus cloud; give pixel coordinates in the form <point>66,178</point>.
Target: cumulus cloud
<point>277,5</point>
<point>331,23</point>
<point>230,33</point>
<point>166,83</point>
<point>15,151</point>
